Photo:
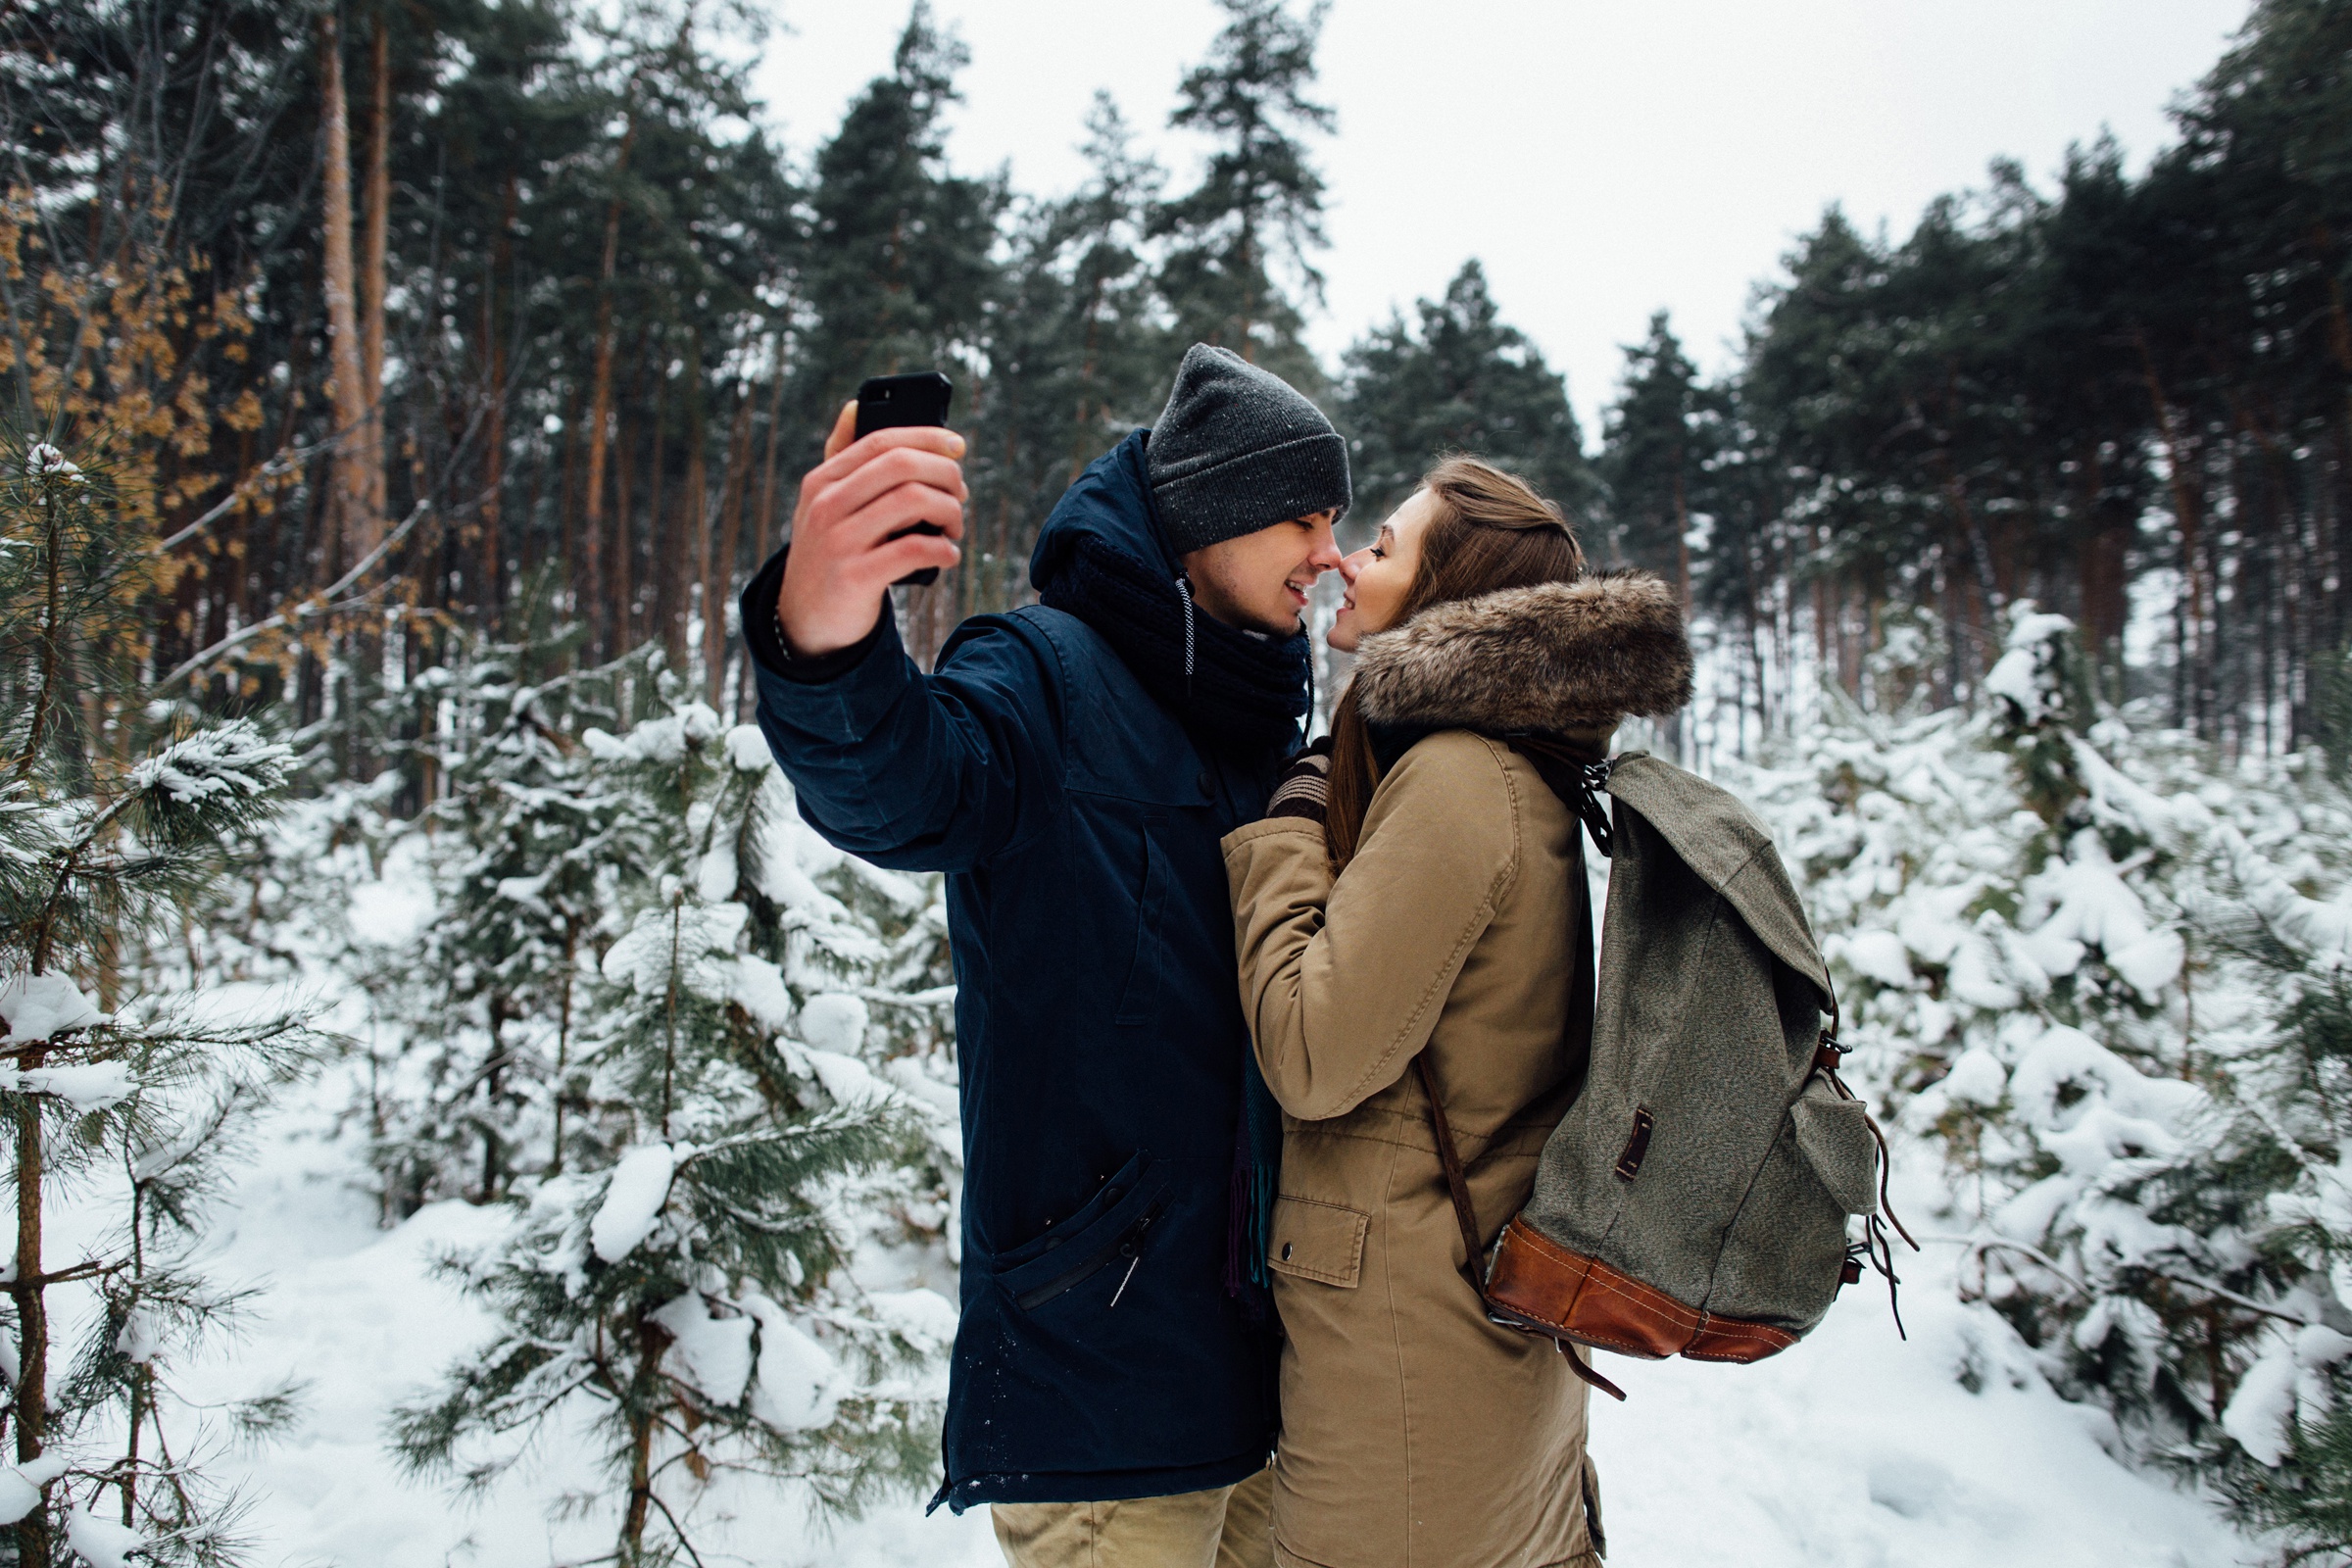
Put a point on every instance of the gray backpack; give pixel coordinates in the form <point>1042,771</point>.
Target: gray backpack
<point>1694,1199</point>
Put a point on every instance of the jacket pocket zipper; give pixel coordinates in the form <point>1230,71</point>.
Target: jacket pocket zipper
<point>1129,1246</point>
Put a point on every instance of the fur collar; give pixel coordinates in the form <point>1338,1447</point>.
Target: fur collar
<point>1559,655</point>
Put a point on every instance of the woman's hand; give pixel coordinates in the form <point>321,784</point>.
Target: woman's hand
<point>1305,788</point>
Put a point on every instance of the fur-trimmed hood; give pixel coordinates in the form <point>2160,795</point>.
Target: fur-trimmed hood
<point>1559,656</point>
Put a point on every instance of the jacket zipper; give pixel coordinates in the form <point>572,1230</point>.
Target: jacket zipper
<point>1129,1246</point>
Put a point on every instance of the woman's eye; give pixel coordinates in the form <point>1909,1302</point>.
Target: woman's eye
<point>1379,554</point>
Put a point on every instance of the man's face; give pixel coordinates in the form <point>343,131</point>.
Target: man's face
<point>1259,581</point>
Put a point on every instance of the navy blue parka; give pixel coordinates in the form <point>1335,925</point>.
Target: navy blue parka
<point>1098,1019</point>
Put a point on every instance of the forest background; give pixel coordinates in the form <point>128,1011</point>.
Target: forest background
<point>462,314</point>
<point>400,393</point>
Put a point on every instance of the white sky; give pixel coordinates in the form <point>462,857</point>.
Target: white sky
<point>1603,160</point>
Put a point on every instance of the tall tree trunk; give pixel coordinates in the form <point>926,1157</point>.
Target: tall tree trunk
<point>494,473</point>
<point>719,576</point>
<point>600,405</point>
<point>656,519</point>
<point>620,605</point>
<point>375,235</point>
<point>691,550</point>
<point>346,371</point>
<point>32,1391</point>
<point>2189,629</point>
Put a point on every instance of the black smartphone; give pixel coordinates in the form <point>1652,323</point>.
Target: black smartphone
<point>885,402</point>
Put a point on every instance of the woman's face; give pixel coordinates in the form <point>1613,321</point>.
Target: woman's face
<point>1380,574</point>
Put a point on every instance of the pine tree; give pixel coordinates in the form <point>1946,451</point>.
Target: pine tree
<point>2107,976</point>
<point>1257,211</point>
<point>1075,357</point>
<point>679,1277</point>
<point>124,1107</point>
<point>1652,458</point>
<point>1459,379</point>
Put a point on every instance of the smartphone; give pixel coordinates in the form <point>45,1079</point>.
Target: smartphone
<point>885,402</point>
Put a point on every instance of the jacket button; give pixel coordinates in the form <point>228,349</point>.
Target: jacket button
<point>1203,784</point>
<point>1286,1252</point>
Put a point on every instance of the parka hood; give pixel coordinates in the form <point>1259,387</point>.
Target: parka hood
<point>1112,502</point>
<point>1555,657</point>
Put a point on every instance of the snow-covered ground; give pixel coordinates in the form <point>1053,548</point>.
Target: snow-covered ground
<point>1852,1450</point>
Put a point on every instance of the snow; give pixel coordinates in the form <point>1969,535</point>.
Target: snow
<point>848,1081</point>
<point>20,1484</point>
<point>834,1021</point>
<point>42,1007</point>
<point>232,758</point>
<point>1879,955</point>
<point>87,1087</point>
<point>799,1387</point>
<point>1852,1450</point>
<point>633,1202</point>
<point>102,1543</point>
<point>710,1355</point>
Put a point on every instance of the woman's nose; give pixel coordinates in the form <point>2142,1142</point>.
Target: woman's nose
<point>1351,566</point>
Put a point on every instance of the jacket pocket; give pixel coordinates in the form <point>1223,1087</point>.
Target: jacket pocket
<point>1142,988</point>
<point>1111,1228</point>
<point>1317,1241</point>
<point>1834,1134</point>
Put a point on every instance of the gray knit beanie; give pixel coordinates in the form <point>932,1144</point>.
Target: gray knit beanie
<point>1237,450</point>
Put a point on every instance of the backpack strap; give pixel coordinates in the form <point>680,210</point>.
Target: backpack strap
<point>1457,1184</point>
<point>1876,1247</point>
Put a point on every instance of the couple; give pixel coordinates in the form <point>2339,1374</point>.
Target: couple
<point>1114,782</point>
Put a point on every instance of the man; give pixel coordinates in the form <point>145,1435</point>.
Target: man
<point>1072,766</point>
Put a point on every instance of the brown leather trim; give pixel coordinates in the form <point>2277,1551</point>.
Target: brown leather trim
<point>1542,1286</point>
<point>1731,1339</point>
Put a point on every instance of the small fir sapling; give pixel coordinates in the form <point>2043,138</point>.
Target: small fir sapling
<point>523,853</point>
<point>680,1277</point>
<point>124,1103</point>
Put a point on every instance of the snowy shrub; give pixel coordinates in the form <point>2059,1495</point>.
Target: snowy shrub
<point>704,1058</point>
<point>2106,972</point>
<point>125,1101</point>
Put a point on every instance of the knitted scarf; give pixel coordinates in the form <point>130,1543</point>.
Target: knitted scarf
<point>1235,694</point>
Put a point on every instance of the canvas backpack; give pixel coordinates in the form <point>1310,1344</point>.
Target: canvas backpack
<point>1695,1198</point>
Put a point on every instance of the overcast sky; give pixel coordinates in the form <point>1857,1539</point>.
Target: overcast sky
<point>1603,158</point>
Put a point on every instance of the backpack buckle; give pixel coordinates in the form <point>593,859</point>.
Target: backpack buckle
<point>1826,1054</point>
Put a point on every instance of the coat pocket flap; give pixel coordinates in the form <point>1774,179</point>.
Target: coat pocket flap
<point>1318,1241</point>
<point>1835,1137</point>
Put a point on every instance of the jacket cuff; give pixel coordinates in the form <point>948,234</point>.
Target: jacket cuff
<point>764,636</point>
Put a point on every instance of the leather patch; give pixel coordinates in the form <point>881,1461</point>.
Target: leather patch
<point>1317,1241</point>
<point>1538,1285</point>
<point>1629,1163</point>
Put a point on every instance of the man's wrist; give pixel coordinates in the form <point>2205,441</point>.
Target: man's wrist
<point>763,632</point>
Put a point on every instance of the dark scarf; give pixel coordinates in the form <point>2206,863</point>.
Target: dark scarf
<point>1232,692</point>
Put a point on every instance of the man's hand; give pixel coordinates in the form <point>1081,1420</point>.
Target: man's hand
<point>850,539</point>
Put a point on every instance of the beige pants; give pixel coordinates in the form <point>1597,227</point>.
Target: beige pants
<point>1226,1527</point>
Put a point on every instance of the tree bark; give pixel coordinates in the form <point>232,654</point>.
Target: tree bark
<point>32,1316</point>
<point>719,576</point>
<point>600,405</point>
<point>494,471</point>
<point>346,397</point>
<point>374,237</point>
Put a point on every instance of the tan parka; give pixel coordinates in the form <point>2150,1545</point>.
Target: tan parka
<point>1415,1433</point>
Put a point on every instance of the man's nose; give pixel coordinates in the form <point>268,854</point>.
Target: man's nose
<point>1326,556</point>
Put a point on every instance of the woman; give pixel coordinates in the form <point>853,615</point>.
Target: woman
<point>1422,919</point>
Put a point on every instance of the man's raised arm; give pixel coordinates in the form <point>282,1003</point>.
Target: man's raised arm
<point>912,772</point>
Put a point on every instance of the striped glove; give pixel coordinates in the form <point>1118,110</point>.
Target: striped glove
<point>1304,789</point>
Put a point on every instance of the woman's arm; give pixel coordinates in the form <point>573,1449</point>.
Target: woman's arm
<point>1343,981</point>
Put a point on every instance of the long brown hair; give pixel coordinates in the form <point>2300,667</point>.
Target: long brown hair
<point>1490,530</point>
